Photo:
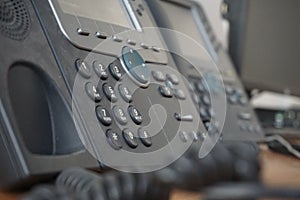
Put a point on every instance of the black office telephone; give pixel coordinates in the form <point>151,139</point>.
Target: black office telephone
<point>189,19</point>
<point>86,83</point>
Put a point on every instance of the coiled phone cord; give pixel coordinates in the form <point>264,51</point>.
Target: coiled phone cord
<point>226,162</point>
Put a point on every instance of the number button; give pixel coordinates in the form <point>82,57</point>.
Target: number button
<point>135,115</point>
<point>114,139</point>
<point>103,116</point>
<point>129,138</point>
<point>109,92</point>
<point>100,70</point>
<point>125,93</point>
<point>83,69</point>
<point>145,137</point>
<point>115,71</point>
<point>120,115</point>
<point>92,92</point>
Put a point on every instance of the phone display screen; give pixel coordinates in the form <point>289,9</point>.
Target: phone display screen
<point>111,11</point>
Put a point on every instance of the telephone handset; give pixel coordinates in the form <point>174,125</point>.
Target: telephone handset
<point>80,87</point>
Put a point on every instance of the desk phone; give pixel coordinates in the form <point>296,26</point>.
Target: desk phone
<point>88,83</point>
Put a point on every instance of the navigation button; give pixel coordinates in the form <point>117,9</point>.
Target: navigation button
<point>135,64</point>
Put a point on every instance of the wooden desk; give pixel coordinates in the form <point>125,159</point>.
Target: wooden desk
<point>277,170</point>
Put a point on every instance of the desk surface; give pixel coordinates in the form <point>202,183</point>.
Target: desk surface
<point>277,170</point>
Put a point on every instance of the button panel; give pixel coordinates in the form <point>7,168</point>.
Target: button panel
<point>235,98</point>
<point>118,116</point>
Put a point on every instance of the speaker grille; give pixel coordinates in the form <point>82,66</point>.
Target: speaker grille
<point>14,19</point>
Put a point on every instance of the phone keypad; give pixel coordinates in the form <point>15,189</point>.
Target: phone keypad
<point>121,120</point>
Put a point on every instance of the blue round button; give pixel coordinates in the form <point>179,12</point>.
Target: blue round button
<point>135,64</point>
